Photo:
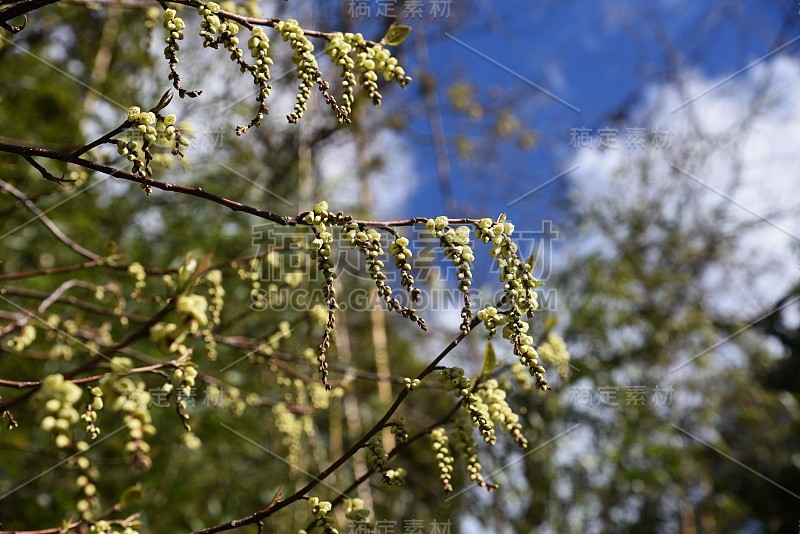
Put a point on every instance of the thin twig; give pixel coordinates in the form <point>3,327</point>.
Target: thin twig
<point>14,384</point>
<point>299,494</point>
<point>40,215</point>
<point>284,220</point>
<point>137,334</point>
<point>72,301</point>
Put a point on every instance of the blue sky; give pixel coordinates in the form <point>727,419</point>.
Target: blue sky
<point>597,56</point>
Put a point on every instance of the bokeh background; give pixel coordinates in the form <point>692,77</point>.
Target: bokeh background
<point>647,151</point>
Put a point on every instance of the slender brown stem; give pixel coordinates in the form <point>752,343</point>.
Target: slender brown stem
<point>47,222</point>
<point>118,173</point>
<point>52,270</point>
<point>85,380</point>
<point>21,8</point>
<point>299,494</point>
<point>284,220</point>
<point>394,452</point>
<point>71,301</point>
<point>101,140</point>
<point>105,354</point>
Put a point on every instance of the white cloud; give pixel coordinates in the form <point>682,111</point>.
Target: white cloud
<point>392,183</point>
<point>738,139</point>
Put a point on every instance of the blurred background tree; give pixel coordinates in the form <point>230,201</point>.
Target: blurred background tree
<point>676,300</point>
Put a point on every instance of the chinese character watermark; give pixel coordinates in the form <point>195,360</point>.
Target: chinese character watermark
<point>410,9</point>
<point>288,278</point>
<point>608,138</point>
<point>408,526</point>
<point>635,395</point>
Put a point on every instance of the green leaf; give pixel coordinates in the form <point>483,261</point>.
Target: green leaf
<point>396,34</point>
<point>131,496</point>
<point>276,498</point>
<point>489,359</point>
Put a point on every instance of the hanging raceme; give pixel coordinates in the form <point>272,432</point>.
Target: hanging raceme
<point>291,427</point>
<point>554,351</point>
<point>319,219</point>
<point>216,293</point>
<point>455,244</point>
<point>454,381</point>
<point>377,457</point>
<point>308,70</point>
<point>361,62</point>
<point>468,451</point>
<point>519,286</point>
<point>58,398</point>
<point>129,395</point>
<point>499,410</point>
<point>444,458</point>
<point>185,376</point>
<point>175,26</point>
<point>258,44</point>
<point>90,415</point>
<point>397,426</point>
<point>137,272</point>
<point>143,131</point>
<point>368,242</point>
<point>402,256</point>
<point>376,454</point>
<point>370,61</point>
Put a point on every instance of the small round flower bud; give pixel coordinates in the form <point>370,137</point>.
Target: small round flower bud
<point>133,113</point>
